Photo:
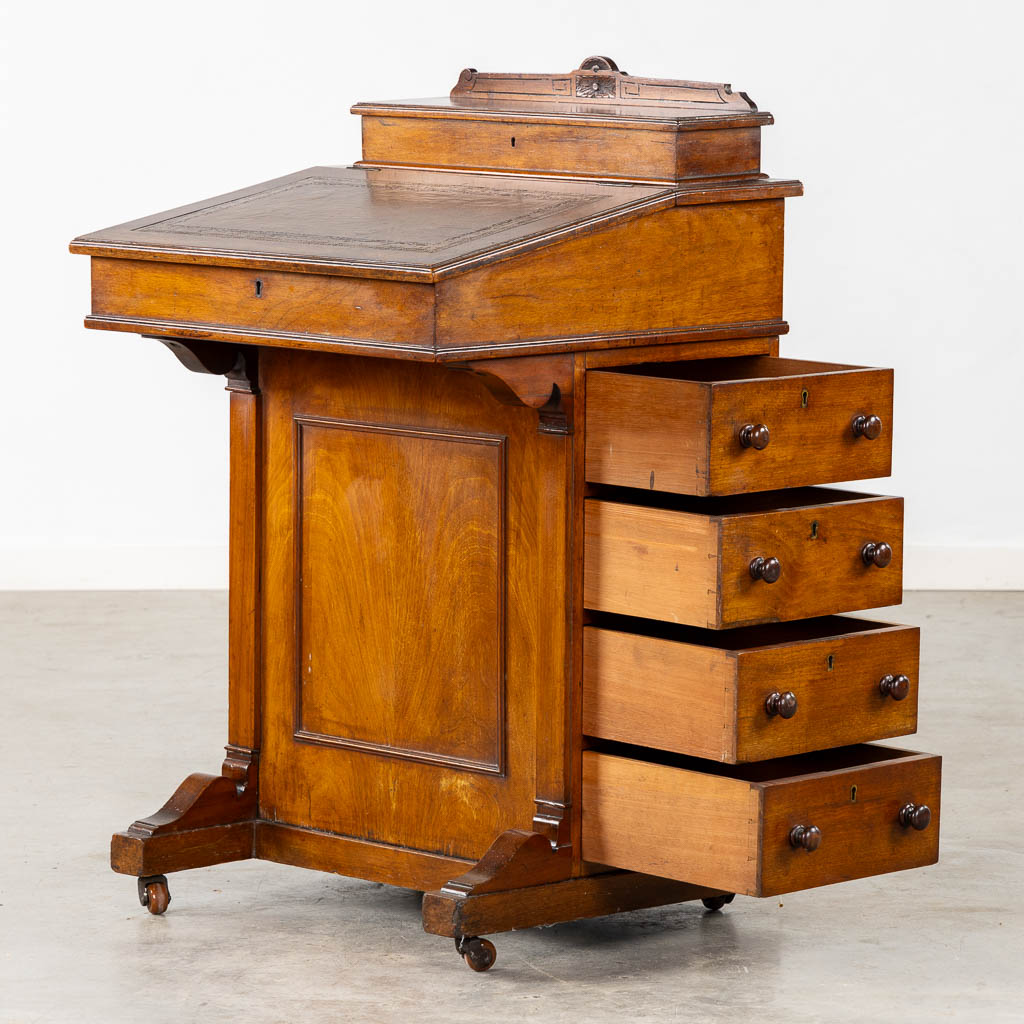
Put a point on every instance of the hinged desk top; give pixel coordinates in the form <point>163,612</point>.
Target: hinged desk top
<point>557,214</point>
<point>389,222</point>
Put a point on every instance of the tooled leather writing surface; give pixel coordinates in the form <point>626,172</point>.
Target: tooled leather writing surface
<point>359,216</point>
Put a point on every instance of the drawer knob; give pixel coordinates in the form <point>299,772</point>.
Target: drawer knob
<point>867,426</point>
<point>896,687</point>
<point>879,554</point>
<point>917,816</point>
<point>782,704</point>
<point>805,837</point>
<point>755,435</point>
<point>767,569</point>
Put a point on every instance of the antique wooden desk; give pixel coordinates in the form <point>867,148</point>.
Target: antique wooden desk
<point>533,591</point>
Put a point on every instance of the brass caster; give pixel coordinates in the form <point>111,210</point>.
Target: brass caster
<point>717,902</point>
<point>154,894</point>
<point>479,954</point>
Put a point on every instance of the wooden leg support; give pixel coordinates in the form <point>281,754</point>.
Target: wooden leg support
<point>522,883</point>
<point>208,820</point>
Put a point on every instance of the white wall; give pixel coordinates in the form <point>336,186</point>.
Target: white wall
<point>902,120</point>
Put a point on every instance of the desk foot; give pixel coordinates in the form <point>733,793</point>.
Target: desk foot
<point>522,883</point>
<point>210,819</point>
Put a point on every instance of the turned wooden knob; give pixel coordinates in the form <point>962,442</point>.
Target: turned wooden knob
<point>896,687</point>
<point>879,554</point>
<point>867,426</point>
<point>782,704</point>
<point>805,837</point>
<point>916,816</point>
<point>755,435</point>
<point>767,569</point>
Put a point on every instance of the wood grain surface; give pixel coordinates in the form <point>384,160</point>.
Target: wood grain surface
<point>686,266</point>
<point>675,427</point>
<point>704,694</point>
<point>729,828</point>
<point>687,560</point>
<point>404,552</point>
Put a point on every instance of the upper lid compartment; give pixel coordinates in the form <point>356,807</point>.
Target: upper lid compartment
<point>595,121</point>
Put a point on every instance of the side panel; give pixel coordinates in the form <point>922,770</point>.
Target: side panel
<point>681,267</point>
<point>415,602</point>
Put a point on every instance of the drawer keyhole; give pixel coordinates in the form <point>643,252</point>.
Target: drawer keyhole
<point>259,288</point>
<point>803,399</point>
<point>831,662</point>
<point>513,142</point>
<point>853,794</point>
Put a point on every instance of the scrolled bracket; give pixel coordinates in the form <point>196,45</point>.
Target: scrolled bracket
<point>544,383</point>
<point>238,363</point>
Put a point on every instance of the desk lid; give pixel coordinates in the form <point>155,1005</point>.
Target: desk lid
<point>391,223</point>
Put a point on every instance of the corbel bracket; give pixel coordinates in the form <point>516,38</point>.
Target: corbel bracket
<point>544,383</point>
<point>238,363</point>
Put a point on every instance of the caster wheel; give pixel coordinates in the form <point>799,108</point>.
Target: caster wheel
<point>717,902</point>
<point>479,954</point>
<point>154,894</point>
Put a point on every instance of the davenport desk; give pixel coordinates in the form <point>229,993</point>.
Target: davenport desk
<point>533,590</point>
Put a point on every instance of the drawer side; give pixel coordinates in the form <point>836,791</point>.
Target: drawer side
<point>650,562</point>
<point>657,693</point>
<point>677,824</point>
<point>647,432</point>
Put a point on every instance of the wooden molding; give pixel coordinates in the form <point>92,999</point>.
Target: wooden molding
<point>598,81</point>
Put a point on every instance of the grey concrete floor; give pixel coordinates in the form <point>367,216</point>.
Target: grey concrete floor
<point>108,700</point>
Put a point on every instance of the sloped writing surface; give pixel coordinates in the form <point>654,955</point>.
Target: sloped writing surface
<point>365,216</point>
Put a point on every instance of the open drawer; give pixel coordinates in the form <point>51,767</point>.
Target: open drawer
<point>742,560</point>
<point>728,426</point>
<point>752,693</point>
<point>762,829</point>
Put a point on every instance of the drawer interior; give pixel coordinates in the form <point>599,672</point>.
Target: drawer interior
<point>742,638</point>
<point>776,769</point>
<point>736,368</point>
<point>733,504</point>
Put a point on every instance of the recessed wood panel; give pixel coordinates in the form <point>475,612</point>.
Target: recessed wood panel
<point>421,416</point>
<point>401,552</point>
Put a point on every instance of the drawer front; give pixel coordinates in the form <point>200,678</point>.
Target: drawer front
<point>262,302</point>
<point>749,695</point>
<point>739,829</point>
<point>680,428</point>
<point>681,566</point>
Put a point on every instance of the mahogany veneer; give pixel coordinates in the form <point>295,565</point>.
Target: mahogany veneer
<point>483,388</point>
